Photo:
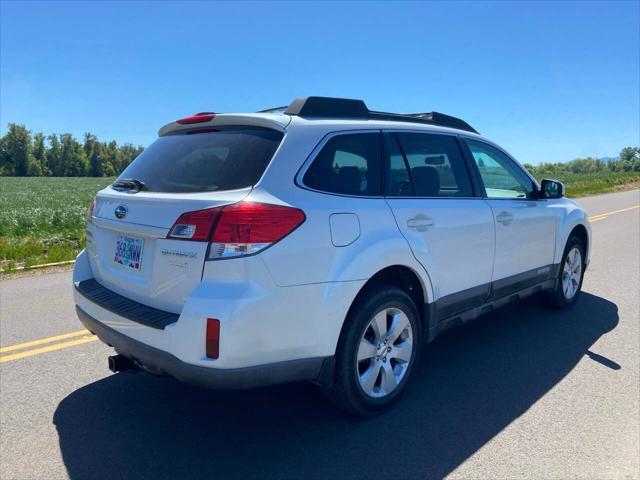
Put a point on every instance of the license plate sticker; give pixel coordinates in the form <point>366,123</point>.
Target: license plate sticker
<point>128,251</point>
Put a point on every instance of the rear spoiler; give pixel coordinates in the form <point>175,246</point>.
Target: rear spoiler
<point>213,120</point>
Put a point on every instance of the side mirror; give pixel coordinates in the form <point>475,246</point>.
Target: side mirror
<point>551,189</point>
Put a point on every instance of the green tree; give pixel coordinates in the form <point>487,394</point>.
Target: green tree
<point>111,156</point>
<point>629,153</point>
<point>73,158</point>
<point>54,157</point>
<point>6,168</point>
<point>630,159</point>
<point>93,152</point>
<point>127,154</point>
<point>39,154</point>
<point>61,155</point>
<point>15,150</point>
<point>34,169</point>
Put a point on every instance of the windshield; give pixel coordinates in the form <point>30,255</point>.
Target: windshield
<point>222,159</point>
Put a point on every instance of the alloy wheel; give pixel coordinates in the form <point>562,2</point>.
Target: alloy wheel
<point>385,352</point>
<point>571,273</point>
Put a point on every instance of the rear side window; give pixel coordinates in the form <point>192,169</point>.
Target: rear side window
<point>224,159</point>
<point>347,164</point>
<point>426,165</point>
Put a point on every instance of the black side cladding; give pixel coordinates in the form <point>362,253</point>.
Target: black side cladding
<point>329,107</point>
<point>137,312</point>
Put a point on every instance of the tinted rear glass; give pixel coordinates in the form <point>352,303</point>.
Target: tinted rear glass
<point>225,159</point>
<point>435,167</point>
<point>347,164</point>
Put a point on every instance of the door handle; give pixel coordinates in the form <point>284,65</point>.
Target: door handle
<point>419,222</point>
<point>504,217</point>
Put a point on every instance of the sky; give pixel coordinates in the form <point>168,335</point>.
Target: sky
<point>548,81</point>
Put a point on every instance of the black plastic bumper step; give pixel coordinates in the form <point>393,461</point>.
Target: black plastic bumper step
<point>137,312</point>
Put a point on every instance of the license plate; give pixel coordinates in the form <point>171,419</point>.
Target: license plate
<point>128,251</point>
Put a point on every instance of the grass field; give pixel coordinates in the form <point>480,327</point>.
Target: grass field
<point>583,184</point>
<point>42,218</point>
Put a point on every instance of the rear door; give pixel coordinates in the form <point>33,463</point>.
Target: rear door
<point>450,231</point>
<point>127,237</point>
<point>525,226</point>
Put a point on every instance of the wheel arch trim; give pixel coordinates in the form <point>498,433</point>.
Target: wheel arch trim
<point>410,273</point>
<point>575,219</point>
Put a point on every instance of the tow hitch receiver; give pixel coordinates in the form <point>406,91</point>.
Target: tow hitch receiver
<point>120,363</point>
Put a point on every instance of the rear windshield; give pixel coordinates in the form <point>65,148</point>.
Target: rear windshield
<point>224,159</point>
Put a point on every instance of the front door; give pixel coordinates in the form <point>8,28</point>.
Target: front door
<point>525,226</point>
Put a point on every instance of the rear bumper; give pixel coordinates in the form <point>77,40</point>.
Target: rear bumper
<point>163,363</point>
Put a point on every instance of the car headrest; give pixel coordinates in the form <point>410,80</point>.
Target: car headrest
<point>426,180</point>
<point>349,180</point>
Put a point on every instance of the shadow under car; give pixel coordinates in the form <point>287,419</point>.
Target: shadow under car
<point>469,385</point>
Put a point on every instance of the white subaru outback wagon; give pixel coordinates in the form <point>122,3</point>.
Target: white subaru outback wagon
<point>320,241</point>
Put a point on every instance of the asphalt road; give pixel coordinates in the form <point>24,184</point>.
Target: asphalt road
<point>522,393</point>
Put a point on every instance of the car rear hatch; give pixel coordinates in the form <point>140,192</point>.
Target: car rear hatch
<point>183,171</point>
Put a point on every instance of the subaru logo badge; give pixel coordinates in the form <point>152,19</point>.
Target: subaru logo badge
<point>121,211</point>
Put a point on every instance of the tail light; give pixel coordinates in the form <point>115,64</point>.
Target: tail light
<point>89,214</point>
<point>212,338</point>
<point>239,229</point>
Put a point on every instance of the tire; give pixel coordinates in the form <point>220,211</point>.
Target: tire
<point>370,385</point>
<point>569,282</point>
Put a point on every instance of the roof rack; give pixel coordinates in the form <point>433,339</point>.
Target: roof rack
<point>273,110</point>
<point>350,108</point>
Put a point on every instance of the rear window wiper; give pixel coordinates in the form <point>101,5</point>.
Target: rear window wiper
<point>132,184</point>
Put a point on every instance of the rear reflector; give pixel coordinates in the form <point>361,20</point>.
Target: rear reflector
<point>212,342</point>
<point>198,118</point>
<point>238,229</point>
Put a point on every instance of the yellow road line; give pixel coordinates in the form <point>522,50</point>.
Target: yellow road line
<point>602,216</point>
<point>49,348</point>
<point>33,343</point>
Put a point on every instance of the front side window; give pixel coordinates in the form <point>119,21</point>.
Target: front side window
<point>347,164</point>
<point>426,165</point>
<point>502,178</point>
